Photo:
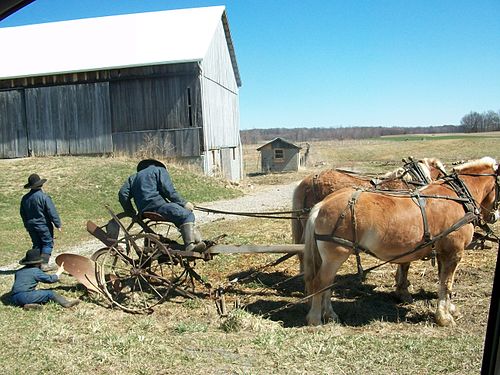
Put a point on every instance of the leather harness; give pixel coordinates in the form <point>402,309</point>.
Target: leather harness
<point>472,215</point>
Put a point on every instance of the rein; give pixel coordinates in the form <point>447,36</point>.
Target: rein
<point>267,215</point>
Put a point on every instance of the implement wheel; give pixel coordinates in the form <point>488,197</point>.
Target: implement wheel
<point>138,272</point>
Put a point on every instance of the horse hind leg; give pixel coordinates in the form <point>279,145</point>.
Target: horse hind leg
<point>402,283</point>
<point>446,311</point>
<point>321,305</point>
<point>328,314</point>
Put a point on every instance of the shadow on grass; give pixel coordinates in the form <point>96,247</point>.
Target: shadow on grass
<point>7,272</point>
<point>357,304</point>
<point>5,299</point>
<point>273,282</point>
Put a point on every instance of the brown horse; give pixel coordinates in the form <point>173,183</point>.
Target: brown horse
<point>399,228</point>
<point>315,188</point>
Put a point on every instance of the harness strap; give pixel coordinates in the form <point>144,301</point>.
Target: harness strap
<point>461,189</point>
<point>355,245</point>
<point>352,204</point>
<point>420,202</point>
<point>467,219</point>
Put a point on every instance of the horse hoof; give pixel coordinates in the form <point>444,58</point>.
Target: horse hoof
<point>331,317</point>
<point>313,321</point>
<point>454,312</point>
<point>445,320</point>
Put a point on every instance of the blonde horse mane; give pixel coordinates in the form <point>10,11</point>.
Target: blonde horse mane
<point>434,162</point>
<point>425,165</point>
<point>485,161</point>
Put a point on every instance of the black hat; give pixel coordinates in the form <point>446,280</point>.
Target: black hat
<point>35,182</point>
<point>32,257</point>
<point>143,164</point>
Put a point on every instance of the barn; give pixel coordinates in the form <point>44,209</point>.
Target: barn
<point>166,81</point>
<point>279,155</point>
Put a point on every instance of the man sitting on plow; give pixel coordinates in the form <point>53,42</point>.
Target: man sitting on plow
<point>153,191</point>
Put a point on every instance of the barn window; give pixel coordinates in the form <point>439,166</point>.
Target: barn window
<point>234,153</point>
<point>278,154</point>
<point>190,107</point>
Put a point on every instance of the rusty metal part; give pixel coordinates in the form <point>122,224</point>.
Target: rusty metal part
<point>99,233</point>
<point>81,268</point>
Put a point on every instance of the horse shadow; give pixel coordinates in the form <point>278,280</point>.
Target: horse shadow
<point>357,304</point>
<point>264,283</point>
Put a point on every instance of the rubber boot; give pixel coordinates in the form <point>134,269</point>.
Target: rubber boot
<point>187,233</point>
<point>45,263</point>
<point>64,302</point>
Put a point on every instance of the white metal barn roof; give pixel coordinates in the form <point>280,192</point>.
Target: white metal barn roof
<point>100,43</point>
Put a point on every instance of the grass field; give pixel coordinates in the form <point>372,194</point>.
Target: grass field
<point>377,335</point>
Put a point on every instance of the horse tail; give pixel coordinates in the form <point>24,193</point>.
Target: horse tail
<point>298,201</point>
<point>311,257</point>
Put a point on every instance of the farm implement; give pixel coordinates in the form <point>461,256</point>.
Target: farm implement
<point>145,265</point>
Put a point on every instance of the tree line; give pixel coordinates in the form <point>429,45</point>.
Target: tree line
<point>256,136</point>
<point>472,122</point>
<point>475,122</point>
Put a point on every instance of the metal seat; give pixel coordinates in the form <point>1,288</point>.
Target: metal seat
<point>153,216</point>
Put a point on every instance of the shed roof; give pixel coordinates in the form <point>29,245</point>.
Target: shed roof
<point>111,42</point>
<point>281,142</point>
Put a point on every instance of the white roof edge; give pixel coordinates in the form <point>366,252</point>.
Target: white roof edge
<point>184,35</point>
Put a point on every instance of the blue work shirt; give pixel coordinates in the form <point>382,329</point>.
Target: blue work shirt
<point>150,188</point>
<point>37,209</point>
<point>27,278</point>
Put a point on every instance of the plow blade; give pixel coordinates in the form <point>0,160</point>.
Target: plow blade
<point>81,268</point>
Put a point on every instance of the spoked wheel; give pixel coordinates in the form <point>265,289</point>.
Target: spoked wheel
<point>138,272</point>
<point>164,229</point>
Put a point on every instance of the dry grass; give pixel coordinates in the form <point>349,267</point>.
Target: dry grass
<point>377,335</point>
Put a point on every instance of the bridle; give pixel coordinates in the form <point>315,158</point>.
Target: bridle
<point>414,169</point>
<point>496,202</point>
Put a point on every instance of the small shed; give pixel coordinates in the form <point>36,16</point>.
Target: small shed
<point>279,155</point>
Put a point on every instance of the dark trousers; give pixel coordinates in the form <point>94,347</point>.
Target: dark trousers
<point>174,213</point>
<point>35,296</point>
<point>42,238</point>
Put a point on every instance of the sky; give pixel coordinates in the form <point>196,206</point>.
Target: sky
<point>341,63</point>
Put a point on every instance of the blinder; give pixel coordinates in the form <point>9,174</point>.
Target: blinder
<point>494,214</point>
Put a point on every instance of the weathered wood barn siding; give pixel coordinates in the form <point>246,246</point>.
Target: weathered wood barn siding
<point>68,120</point>
<point>55,120</point>
<point>221,109</point>
<point>14,142</point>
<point>158,107</point>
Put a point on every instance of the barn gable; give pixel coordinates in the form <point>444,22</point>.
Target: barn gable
<point>110,84</point>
